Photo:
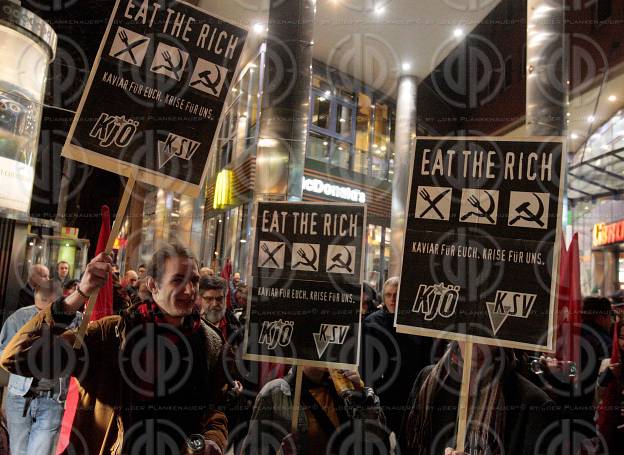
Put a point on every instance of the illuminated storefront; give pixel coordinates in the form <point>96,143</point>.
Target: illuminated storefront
<point>608,255</point>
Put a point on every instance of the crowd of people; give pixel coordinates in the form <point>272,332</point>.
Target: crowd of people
<point>164,374</point>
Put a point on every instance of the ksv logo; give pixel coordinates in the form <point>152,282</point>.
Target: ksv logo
<point>175,145</point>
<point>436,300</point>
<point>276,332</point>
<point>509,304</point>
<point>114,129</point>
<point>329,334</point>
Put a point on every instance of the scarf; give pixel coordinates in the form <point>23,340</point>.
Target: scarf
<point>151,313</point>
<point>146,314</point>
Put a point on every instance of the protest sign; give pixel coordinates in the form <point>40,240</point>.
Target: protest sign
<point>306,273</point>
<point>156,91</point>
<point>482,241</point>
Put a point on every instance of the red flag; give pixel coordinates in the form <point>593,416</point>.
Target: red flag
<point>608,408</point>
<point>225,274</point>
<point>569,304</point>
<point>103,307</point>
<point>563,312</point>
<point>575,300</point>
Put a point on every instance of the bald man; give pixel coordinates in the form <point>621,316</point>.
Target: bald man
<point>37,274</point>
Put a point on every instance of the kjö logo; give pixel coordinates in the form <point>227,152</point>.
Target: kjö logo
<point>329,334</point>
<point>276,333</point>
<point>114,129</point>
<point>436,300</point>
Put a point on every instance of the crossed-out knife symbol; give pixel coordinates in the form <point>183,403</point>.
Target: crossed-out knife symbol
<point>270,253</point>
<point>432,202</point>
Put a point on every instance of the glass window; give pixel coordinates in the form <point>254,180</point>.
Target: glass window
<point>363,123</point>
<point>320,83</point>
<point>382,126</point>
<point>378,164</point>
<point>253,102</point>
<point>373,249</point>
<point>341,155</point>
<point>320,116</point>
<point>346,95</point>
<point>343,120</point>
<point>210,242</point>
<point>360,161</point>
<point>318,147</point>
<point>386,252</point>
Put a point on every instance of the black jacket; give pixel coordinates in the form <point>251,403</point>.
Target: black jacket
<point>26,296</point>
<point>390,362</point>
<point>528,419</point>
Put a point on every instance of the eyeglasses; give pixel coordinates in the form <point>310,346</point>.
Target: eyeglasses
<point>207,298</point>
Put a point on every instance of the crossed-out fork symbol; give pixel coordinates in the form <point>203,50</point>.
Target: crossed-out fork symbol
<point>270,254</point>
<point>432,202</point>
<point>129,46</point>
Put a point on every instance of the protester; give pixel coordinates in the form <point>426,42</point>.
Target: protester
<point>34,407</point>
<point>391,361</point>
<point>62,272</point>
<point>121,299</point>
<point>37,274</point>
<point>506,414</point>
<point>329,407</point>
<point>125,406</point>
<point>369,301</point>
<point>141,271</point>
<point>242,293</point>
<point>214,309</point>
<point>70,286</point>
<point>596,340</point>
<point>129,283</point>
<point>236,279</point>
<point>143,293</point>
<point>610,394</point>
<point>206,272</point>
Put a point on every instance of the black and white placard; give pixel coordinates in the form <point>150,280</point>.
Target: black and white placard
<point>306,272</point>
<point>482,241</point>
<point>156,92</point>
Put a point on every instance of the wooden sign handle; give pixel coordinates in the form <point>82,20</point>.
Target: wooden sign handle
<point>296,399</point>
<point>464,394</point>
<point>121,212</point>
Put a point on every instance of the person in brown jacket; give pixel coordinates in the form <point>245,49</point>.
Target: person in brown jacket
<point>151,379</point>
